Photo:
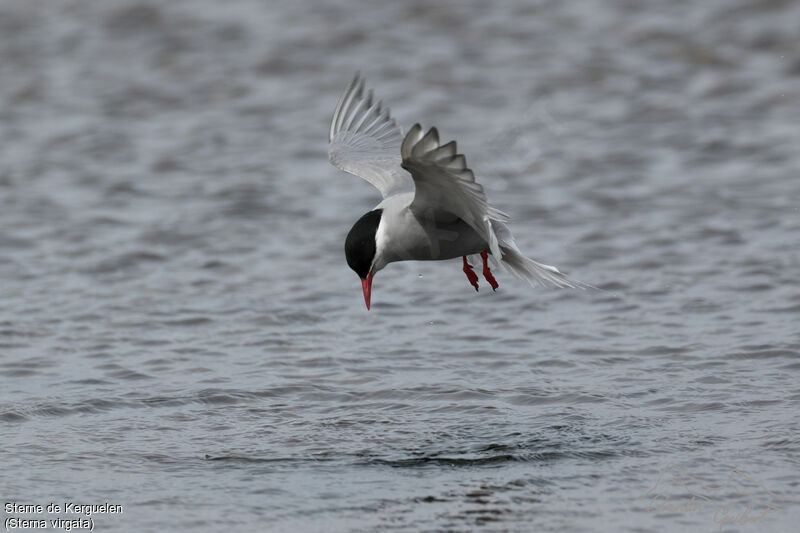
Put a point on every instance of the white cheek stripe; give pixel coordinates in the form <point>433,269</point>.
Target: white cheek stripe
<point>381,238</point>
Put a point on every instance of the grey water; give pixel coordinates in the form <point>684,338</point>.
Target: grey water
<point>180,334</point>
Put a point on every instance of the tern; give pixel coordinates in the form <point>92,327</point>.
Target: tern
<point>432,208</point>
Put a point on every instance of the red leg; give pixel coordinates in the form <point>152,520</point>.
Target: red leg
<point>471,276</point>
<point>488,273</point>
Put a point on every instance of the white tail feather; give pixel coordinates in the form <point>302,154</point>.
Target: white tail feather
<point>537,274</point>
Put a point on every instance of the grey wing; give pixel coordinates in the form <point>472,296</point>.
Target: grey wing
<point>365,141</point>
<point>444,183</point>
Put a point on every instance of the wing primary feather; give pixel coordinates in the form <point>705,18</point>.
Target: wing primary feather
<point>356,113</point>
<point>365,140</point>
<point>428,143</point>
<point>445,152</point>
<point>372,118</point>
<point>369,109</point>
<point>411,138</point>
<point>386,127</point>
<point>338,114</point>
<point>355,93</point>
<point>459,162</point>
<point>383,118</point>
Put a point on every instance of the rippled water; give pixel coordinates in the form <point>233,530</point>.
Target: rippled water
<point>180,334</point>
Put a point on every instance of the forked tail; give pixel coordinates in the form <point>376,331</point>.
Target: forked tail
<point>526,269</point>
<point>537,274</point>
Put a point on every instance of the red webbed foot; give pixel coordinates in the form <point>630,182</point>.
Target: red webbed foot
<point>471,275</point>
<point>486,272</point>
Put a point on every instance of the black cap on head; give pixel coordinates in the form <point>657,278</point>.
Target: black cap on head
<point>359,247</point>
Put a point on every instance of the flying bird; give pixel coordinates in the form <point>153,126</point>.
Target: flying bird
<point>432,208</point>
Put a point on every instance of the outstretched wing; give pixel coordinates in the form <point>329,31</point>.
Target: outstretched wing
<point>444,183</point>
<point>365,141</point>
